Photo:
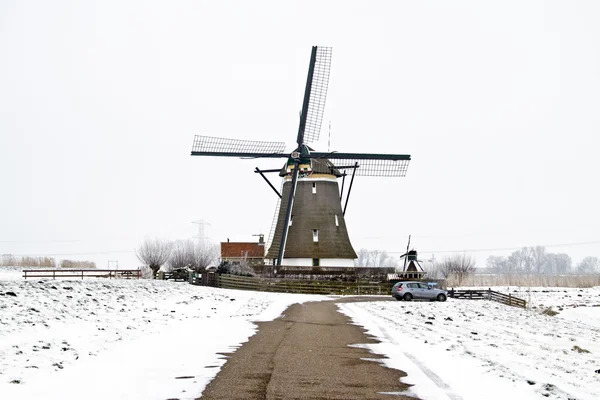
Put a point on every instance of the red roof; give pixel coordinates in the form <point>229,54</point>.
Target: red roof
<point>239,249</point>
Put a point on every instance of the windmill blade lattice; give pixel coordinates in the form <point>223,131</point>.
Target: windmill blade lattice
<point>216,146</point>
<point>388,165</point>
<point>387,168</point>
<point>318,95</point>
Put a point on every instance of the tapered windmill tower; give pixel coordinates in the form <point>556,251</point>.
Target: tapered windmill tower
<point>310,229</point>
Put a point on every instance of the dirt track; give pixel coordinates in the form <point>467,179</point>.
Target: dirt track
<point>305,355</point>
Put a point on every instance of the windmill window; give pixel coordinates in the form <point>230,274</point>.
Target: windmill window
<point>314,190</point>
<point>315,235</point>
<point>316,262</point>
<point>337,222</point>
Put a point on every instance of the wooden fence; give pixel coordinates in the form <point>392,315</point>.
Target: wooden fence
<point>302,286</point>
<point>83,273</point>
<point>489,294</point>
<point>177,276</point>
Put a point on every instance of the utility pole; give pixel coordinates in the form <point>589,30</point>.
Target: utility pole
<point>201,236</point>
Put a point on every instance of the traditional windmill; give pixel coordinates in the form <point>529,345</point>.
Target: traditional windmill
<point>310,227</point>
<point>412,265</point>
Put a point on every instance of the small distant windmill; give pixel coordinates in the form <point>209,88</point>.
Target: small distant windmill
<point>310,227</point>
<point>412,265</point>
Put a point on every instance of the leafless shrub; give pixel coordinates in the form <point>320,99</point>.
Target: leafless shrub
<point>77,264</point>
<point>154,253</point>
<point>242,267</point>
<point>9,260</point>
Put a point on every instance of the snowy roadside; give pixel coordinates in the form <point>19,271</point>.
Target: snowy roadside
<point>467,350</point>
<point>122,339</point>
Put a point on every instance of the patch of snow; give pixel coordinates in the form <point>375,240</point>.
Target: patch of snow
<point>11,273</point>
<point>474,349</point>
<point>122,339</point>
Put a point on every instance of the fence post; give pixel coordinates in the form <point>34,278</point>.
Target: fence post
<point>54,274</point>
<point>509,300</point>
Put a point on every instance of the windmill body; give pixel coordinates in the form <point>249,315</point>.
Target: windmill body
<point>317,233</point>
<point>310,228</point>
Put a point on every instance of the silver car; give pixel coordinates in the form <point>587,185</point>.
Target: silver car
<point>417,291</point>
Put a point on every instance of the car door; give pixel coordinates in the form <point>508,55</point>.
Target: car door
<point>415,290</point>
<point>426,292</point>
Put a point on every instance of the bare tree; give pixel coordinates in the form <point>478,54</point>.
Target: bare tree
<point>520,261</point>
<point>589,265</point>
<point>459,266</point>
<point>446,268</point>
<point>363,258</point>
<point>205,255</point>
<point>375,259</point>
<point>154,253</point>
<point>539,259</point>
<point>497,264</point>
<point>465,267</point>
<point>558,264</point>
<point>182,255</point>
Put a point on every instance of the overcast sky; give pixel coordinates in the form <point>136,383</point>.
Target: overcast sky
<point>497,102</point>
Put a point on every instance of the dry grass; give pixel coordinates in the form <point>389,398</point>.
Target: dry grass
<point>569,281</point>
<point>579,349</point>
<point>549,311</point>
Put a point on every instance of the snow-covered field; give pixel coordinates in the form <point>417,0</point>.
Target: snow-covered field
<point>120,339</point>
<point>469,349</point>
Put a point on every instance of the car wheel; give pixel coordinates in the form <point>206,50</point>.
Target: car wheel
<point>408,297</point>
<point>441,297</point>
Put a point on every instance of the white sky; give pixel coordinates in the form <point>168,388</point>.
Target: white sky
<point>496,103</point>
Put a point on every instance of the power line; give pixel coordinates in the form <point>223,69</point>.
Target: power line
<point>40,241</point>
<point>72,254</point>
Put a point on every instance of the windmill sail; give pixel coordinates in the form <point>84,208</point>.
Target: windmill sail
<point>216,146</point>
<point>318,94</point>
<point>385,168</point>
<point>386,165</point>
